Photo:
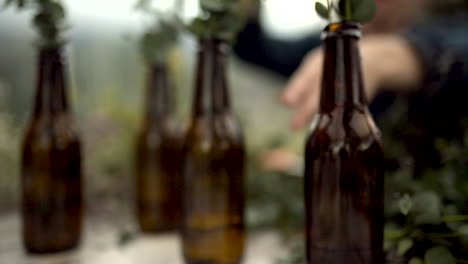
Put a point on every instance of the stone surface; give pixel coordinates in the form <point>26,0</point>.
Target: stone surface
<point>101,246</point>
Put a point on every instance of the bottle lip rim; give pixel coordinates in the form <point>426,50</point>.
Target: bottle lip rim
<point>342,29</point>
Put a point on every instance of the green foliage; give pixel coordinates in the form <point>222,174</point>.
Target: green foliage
<point>439,255</point>
<point>9,155</point>
<point>220,19</point>
<point>160,36</point>
<point>49,19</point>
<point>217,6</point>
<point>350,10</point>
<point>405,204</point>
<point>404,245</point>
<point>425,203</point>
<point>269,207</point>
<point>416,261</point>
<point>426,209</point>
<point>10,138</point>
<point>463,231</point>
<point>322,10</point>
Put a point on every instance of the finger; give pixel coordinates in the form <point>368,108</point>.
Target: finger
<point>306,109</point>
<point>296,87</point>
<point>302,80</point>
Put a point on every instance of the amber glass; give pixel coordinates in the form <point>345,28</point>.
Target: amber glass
<point>51,165</point>
<point>343,174</point>
<point>213,204</point>
<point>158,184</point>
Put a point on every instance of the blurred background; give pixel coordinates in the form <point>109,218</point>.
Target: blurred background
<point>106,77</point>
<point>106,81</point>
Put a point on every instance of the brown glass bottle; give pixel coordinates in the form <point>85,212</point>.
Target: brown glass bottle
<point>213,205</point>
<point>158,184</point>
<point>343,163</point>
<point>51,164</point>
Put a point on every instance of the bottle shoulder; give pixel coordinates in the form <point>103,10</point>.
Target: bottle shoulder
<point>163,129</point>
<point>353,128</point>
<point>51,132</point>
<point>215,133</point>
<point>228,128</point>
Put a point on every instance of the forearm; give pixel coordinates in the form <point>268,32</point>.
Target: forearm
<point>395,62</point>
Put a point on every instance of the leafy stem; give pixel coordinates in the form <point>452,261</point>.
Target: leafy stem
<point>221,19</point>
<point>160,36</point>
<point>351,10</point>
<point>49,19</point>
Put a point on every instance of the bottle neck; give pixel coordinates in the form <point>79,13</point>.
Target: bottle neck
<point>342,83</point>
<point>211,91</point>
<point>158,102</point>
<point>51,96</point>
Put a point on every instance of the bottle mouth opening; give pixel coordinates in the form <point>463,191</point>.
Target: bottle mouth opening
<point>342,29</point>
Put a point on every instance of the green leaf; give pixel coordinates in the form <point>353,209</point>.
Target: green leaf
<point>228,25</point>
<point>56,11</point>
<point>427,208</point>
<point>322,10</point>
<point>439,255</point>
<point>143,4</point>
<point>405,204</point>
<point>354,10</point>
<point>42,21</point>
<point>388,244</point>
<point>450,212</point>
<point>393,231</point>
<point>416,260</point>
<point>216,5</point>
<point>198,27</point>
<point>463,230</point>
<point>363,10</point>
<point>404,245</point>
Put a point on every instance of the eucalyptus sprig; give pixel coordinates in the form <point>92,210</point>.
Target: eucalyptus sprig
<point>221,19</point>
<point>49,19</point>
<point>350,10</point>
<point>160,36</point>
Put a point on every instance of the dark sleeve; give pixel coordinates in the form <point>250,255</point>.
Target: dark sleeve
<point>282,56</point>
<point>442,46</point>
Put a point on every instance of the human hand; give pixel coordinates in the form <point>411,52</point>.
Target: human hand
<point>387,61</point>
<point>279,160</point>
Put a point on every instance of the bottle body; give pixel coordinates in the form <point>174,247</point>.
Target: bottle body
<point>343,192</point>
<point>343,185</point>
<point>158,183</point>
<point>51,166</point>
<point>213,172</point>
